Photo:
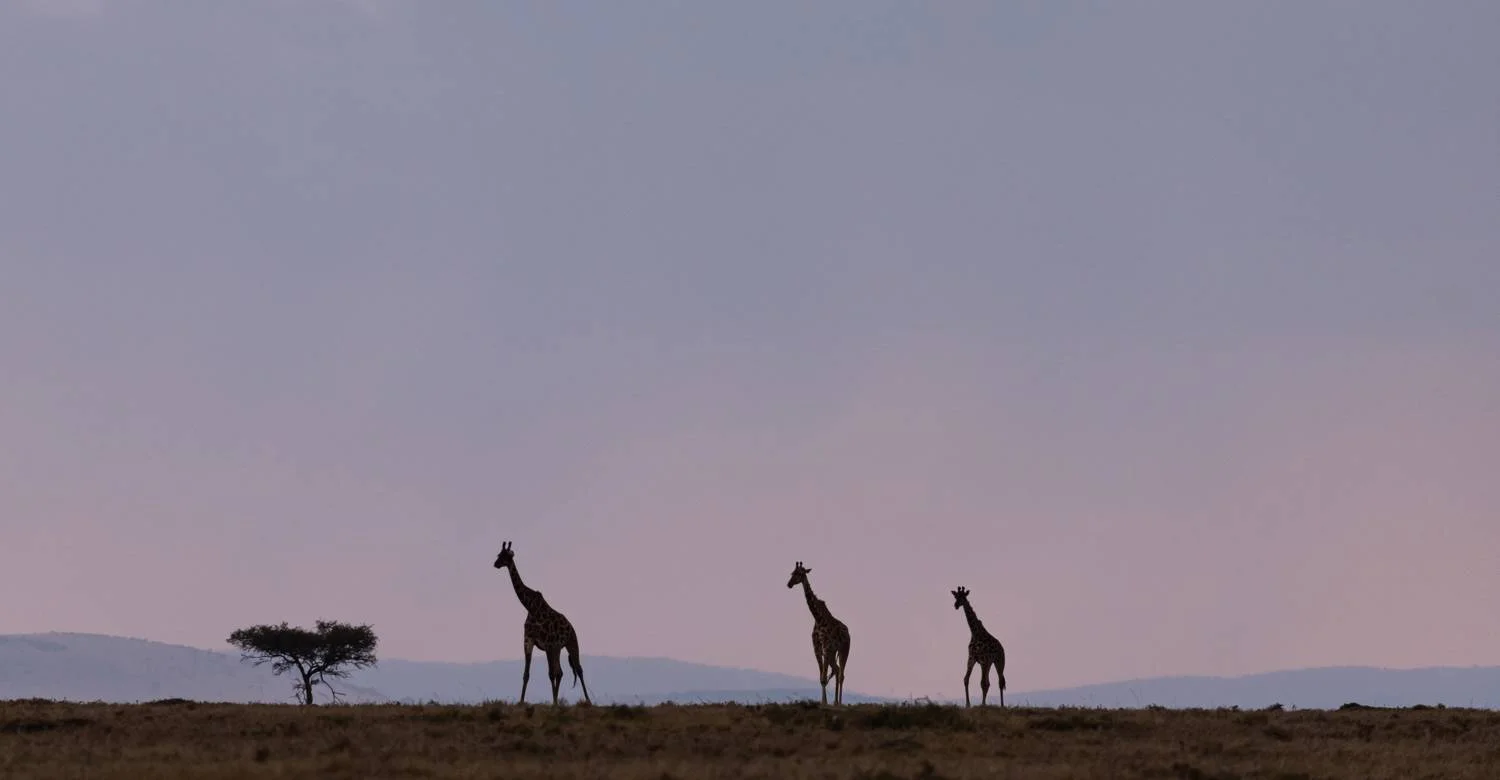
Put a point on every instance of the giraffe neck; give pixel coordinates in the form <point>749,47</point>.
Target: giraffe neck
<point>528,597</point>
<point>976,626</point>
<point>815,605</point>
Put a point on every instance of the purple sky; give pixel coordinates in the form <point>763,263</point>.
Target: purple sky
<point>1170,329</point>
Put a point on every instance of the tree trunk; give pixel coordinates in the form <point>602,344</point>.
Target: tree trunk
<point>307,693</point>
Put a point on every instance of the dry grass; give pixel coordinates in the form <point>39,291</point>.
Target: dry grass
<point>41,740</point>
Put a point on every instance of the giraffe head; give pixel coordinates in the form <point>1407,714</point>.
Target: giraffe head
<point>506,556</point>
<point>960,597</point>
<point>799,576</point>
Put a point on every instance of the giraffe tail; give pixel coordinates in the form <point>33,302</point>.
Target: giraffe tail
<point>573,665</point>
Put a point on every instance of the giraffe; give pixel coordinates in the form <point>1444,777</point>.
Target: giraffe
<point>545,628</point>
<point>830,637</point>
<point>984,649</point>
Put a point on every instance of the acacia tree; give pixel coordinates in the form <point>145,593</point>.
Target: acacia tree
<point>333,650</point>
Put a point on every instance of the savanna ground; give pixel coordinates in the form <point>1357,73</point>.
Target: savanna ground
<point>41,740</point>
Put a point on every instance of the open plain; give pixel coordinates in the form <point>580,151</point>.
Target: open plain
<point>41,740</point>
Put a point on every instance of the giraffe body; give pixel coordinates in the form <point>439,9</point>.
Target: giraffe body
<point>984,650</point>
<point>546,629</point>
<point>830,638</point>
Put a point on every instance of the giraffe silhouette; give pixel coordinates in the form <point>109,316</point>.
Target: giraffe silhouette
<point>545,628</point>
<point>830,637</point>
<point>984,649</point>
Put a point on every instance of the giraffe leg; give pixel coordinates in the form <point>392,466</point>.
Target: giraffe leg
<point>526,670</point>
<point>554,672</point>
<point>1000,673</point>
<point>837,657</point>
<point>838,690</point>
<point>967,674</point>
<point>577,666</point>
<point>984,683</point>
<point>823,676</point>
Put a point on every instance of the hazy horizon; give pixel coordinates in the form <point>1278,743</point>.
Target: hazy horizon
<point>99,667</point>
<point>1168,329</point>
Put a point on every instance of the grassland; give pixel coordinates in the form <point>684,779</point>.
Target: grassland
<point>40,740</point>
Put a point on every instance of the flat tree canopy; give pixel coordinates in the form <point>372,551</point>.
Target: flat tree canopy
<point>333,650</point>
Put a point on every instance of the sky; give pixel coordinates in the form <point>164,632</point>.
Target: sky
<point>1169,329</point>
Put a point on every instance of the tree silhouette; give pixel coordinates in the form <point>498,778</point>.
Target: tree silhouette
<point>333,650</point>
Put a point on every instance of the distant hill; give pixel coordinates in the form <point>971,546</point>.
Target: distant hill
<point>620,680</point>
<point>94,667</point>
<point>1321,688</point>
<point>766,696</point>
